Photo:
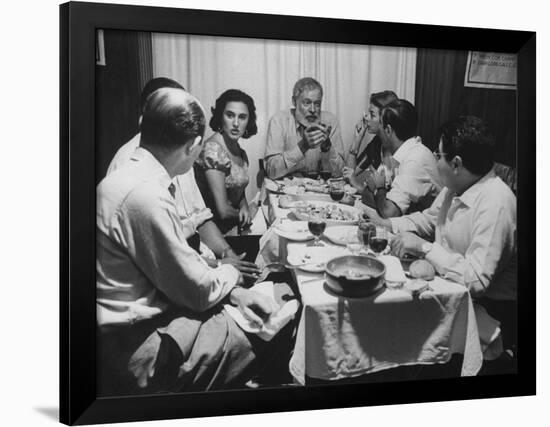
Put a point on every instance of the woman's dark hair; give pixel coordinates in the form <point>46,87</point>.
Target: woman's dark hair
<point>171,118</point>
<point>382,99</point>
<point>234,95</point>
<point>402,117</point>
<point>155,84</point>
<point>469,138</point>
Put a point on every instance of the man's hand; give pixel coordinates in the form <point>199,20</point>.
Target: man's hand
<point>253,305</point>
<point>375,180</point>
<point>407,243</point>
<point>315,135</point>
<point>249,270</point>
<point>347,173</point>
<point>244,216</point>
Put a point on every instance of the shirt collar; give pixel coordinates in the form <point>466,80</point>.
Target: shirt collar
<point>153,166</point>
<point>401,153</point>
<point>469,196</point>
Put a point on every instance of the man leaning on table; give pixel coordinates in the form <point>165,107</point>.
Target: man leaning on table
<point>161,322</point>
<point>473,221</point>
<point>416,182</point>
<point>196,218</point>
<point>305,138</point>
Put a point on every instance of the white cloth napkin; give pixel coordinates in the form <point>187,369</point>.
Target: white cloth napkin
<point>394,271</point>
<point>490,336</point>
<point>276,321</point>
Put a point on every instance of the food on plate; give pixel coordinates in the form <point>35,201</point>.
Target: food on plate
<point>330,212</point>
<point>287,202</point>
<point>422,269</point>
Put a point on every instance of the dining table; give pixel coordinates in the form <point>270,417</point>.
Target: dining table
<point>343,337</point>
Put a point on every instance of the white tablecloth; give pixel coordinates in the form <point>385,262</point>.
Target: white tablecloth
<point>344,337</point>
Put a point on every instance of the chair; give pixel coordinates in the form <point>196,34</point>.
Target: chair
<point>508,174</point>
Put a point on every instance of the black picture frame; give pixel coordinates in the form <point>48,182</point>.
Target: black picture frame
<point>78,22</point>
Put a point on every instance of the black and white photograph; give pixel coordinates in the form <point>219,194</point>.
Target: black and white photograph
<point>300,216</point>
<point>280,214</point>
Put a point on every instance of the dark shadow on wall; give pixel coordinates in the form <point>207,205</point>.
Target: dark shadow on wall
<point>118,86</point>
<point>441,95</point>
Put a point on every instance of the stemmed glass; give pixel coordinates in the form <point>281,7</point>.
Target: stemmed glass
<point>336,187</point>
<point>378,240</point>
<point>317,228</point>
<point>364,230</point>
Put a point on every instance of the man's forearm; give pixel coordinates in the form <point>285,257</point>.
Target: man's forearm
<point>385,208</point>
<point>213,238</point>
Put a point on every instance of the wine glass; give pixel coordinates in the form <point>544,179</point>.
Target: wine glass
<point>316,227</point>
<point>364,230</point>
<point>378,240</point>
<point>353,244</point>
<point>336,187</point>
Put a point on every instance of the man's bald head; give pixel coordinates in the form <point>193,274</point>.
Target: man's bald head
<point>171,118</point>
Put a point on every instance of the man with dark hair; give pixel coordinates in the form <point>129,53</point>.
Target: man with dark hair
<point>162,325</point>
<point>304,139</point>
<point>416,182</point>
<point>473,221</point>
<point>196,218</point>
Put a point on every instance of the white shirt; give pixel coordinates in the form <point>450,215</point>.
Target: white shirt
<point>189,200</point>
<point>144,264</point>
<point>416,183</point>
<point>475,237</point>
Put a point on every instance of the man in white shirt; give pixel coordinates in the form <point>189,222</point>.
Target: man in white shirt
<point>473,221</point>
<point>415,182</point>
<point>161,323</point>
<point>304,139</point>
<point>195,216</point>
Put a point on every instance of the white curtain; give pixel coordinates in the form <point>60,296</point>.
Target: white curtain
<point>267,70</point>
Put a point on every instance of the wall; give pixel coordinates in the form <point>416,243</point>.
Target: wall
<point>441,95</point>
<point>118,88</point>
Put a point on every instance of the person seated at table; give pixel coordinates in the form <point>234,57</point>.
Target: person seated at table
<point>372,156</point>
<point>304,139</point>
<point>161,322</point>
<point>416,182</point>
<point>196,218</point>
<point>473,221</point>
<point>222,167</point>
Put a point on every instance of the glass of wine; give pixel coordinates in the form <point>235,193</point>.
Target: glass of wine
<point>316,227</point>
<point>336,187</point>
<point>378,240</point>
<point>326,174</point>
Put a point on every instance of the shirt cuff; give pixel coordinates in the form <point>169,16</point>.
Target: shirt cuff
<point>438,256</point>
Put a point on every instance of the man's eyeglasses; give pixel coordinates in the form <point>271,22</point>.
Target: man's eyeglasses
<point>438,155</point>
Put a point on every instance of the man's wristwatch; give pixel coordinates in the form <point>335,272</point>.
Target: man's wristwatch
<point>426,247</point>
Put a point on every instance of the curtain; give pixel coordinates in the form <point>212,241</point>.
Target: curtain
<point>268,69</point>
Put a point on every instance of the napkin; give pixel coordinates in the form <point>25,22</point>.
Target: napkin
<point>274,323</point>
<point>490,336</point>
<point>394,271</point>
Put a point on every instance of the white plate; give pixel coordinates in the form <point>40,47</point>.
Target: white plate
<point>339,234</point>
<point>303,216</point>
<point>296,231</point>
<point>315,256</point>
<point>294,190</point>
